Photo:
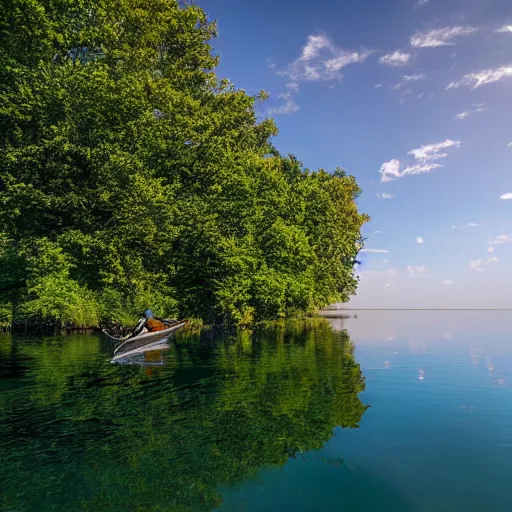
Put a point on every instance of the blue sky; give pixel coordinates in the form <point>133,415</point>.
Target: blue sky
<point>414,98</point>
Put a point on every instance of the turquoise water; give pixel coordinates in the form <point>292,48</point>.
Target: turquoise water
<point>404,411</point>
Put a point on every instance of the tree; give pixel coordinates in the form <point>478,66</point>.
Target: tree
<point>121,149</point>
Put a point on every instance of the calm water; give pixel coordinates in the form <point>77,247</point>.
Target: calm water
<point>404,411</point>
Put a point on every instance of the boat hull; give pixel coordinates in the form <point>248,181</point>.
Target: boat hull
<point>147,337</point>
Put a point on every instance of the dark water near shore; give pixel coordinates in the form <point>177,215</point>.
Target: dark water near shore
<point>404,411</point>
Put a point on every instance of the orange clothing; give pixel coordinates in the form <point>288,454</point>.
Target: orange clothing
<point>154,325</point>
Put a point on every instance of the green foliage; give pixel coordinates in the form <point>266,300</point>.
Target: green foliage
<point>148,180</point>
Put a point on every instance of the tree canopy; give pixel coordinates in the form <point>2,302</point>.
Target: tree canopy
<point>131,176</point>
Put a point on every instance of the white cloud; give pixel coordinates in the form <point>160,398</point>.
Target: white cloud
<point>379,86</point>
<point>397,58</point>
<point>508,195</point>
<point>419,240</point>
<point>440,36</point>
<point>387,285</point>
<point>413,270</point>
<point>476,265</point>
<point>447,282</point>
<point>466,114</point>
<point>491,249</point>
<point>504,29</point>
<point>404,79</point>
<point>470,225</point>
<point>289,106</point>
<point>493,259</point>
<point>393,272</point>
<point>429,152</point>
<point>383,195</point>
<point>487,76</point>
<point>420,3</point>
<point>374,250</point>
<point>453,227</point>
<point>413,78</point>
<point>385,261</point>
<point>321,59</point>
<point>510,144</point>
<point>419,169</point>
<point>293,86</point>
<point>500,239</point>
<point>390,171</point>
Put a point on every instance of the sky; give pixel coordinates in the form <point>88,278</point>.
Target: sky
<point>413,98</point>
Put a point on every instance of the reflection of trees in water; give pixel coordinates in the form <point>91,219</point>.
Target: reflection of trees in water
<point>215,414</point>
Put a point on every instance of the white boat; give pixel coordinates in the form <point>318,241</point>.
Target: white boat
<point>146,338</point>
<point>137,355</point>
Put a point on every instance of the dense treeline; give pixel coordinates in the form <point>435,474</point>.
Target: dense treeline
<point>132,177</point>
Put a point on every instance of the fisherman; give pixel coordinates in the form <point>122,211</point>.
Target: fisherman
<point>149,323</point>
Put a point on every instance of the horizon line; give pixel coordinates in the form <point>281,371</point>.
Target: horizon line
<point>419,309</point>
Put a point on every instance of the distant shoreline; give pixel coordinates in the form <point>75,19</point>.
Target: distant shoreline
<point>417,309</point>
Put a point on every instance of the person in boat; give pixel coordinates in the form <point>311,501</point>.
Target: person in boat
<point>150,323</point>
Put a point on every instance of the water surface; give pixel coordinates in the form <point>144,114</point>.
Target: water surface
<point>406,411</point>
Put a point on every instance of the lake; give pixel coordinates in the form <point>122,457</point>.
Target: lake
<point>389,411</point>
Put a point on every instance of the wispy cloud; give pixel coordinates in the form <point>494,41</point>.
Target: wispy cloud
<point>470,225</point>
<point>466,114</point>
<point>293,86</point>
<point>379,86</point>
<point>374,250</point>
<point>491,249</point>
<point>321,59</point>
<point>476,265</point>
<point>288,107</point>
<point>404,93</point>
<point>390,171</point>
<point>421,3</point>
<point>487,76</point>
<point>430,152</point>
<point>447,282</point>
<point>405,79</point>
<point>504,29</point>
<point>440,36</point>
<point>387,285</point>
<point>508,195</point>
<point>415,270</point>
<point>383,195</point>
<point>492,259</point>
<point>397,59</point>
<point>414,77</point>
<point>419,240</point>
<point>500,239</point>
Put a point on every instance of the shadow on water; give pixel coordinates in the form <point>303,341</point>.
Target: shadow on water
<point>80,433</point>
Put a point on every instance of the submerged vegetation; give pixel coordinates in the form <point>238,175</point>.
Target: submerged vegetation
<point>131,176</point>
